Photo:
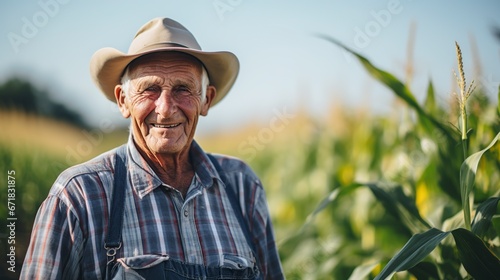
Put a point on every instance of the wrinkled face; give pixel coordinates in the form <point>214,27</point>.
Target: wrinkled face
<point>163,100</point>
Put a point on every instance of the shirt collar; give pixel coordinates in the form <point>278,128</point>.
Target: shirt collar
<point>145,180</point>
<point>205,171</point>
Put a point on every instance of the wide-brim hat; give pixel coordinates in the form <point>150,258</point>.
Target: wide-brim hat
<point>107,65</point>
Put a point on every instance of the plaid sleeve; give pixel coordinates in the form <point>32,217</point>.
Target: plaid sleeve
<point>55,245</point>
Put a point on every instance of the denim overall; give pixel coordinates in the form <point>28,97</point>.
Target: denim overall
<point>162,267</point>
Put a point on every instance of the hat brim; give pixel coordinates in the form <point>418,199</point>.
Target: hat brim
<point>107,66</point>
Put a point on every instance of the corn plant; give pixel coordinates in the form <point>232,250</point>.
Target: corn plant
<point>474,242</point>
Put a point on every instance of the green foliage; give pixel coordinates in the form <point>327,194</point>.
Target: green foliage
<point>432,192</point>
<point>35,171</point>
<point>417,248</point>
<point>477,259</point>
<point>468,176</point>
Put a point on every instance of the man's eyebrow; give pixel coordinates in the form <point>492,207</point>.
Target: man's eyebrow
<point>191,81</point>
<point>148,80</point>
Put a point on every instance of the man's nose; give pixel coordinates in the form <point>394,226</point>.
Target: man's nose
<point>165,104</point>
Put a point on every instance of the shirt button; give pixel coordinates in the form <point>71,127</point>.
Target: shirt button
<point>186,213</point>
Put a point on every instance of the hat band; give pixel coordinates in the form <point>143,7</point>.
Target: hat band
<point>158,46</point>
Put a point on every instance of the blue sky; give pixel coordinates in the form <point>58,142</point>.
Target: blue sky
<point>283,64</point>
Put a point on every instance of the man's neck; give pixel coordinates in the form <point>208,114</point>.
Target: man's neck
<point>174,170</point>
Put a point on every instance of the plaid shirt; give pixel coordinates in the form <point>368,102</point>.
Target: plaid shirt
<point>68,236</point>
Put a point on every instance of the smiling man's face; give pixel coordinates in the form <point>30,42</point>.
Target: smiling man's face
<point>164,101</point>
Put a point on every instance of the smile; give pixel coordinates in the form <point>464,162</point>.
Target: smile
<point>165,125</point>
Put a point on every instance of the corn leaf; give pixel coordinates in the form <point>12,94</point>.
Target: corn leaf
<point>415,250</point>
<point>332,196</point>
<point>425,270</point>
<point>484,214</point>
<point>430,106</point>
<point>329,199</point>
<point>476,258</point>
<point>467,177</point>
<point>400,206</point>
<point>430,99</point>
<point>394,84</point>
<point>498,106</point>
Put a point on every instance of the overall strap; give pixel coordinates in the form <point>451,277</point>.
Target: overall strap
<point>233,198</point>
<point>113,240</point>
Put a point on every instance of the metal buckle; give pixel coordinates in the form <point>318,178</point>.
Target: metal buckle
<point>111,253</point>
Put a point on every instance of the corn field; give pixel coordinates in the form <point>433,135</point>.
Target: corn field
<point>412,194</point>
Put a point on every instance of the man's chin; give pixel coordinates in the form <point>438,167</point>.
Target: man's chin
<point>168,146</point>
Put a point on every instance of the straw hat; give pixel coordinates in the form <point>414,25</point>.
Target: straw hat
<point>163,34</point>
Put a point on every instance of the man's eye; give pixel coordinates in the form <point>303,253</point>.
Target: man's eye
<point>182,90</point>
<point>153,89</point>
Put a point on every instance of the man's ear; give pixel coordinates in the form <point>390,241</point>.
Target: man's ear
<point>209,98</point>
<point>120,101</point>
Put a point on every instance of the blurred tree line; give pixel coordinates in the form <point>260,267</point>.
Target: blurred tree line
<point>21,95</point>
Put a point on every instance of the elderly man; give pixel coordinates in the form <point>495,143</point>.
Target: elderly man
<point>158,207</point>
